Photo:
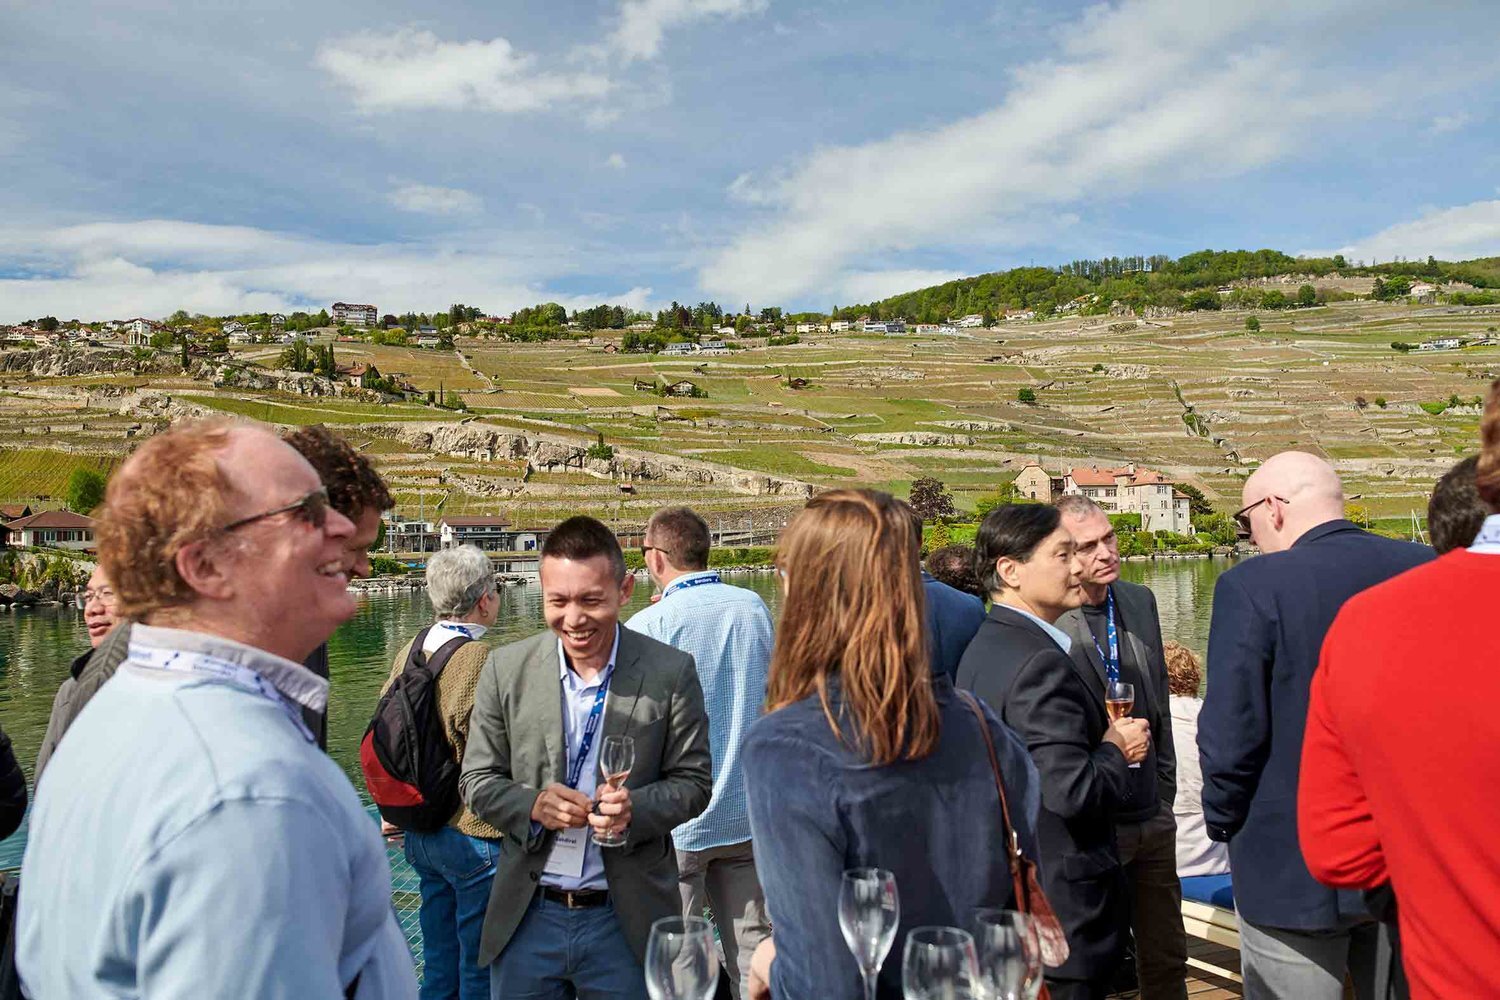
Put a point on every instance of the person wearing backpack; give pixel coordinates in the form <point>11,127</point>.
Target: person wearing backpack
<point>455,861</point>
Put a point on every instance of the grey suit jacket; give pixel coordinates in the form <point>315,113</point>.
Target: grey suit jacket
<point>516,748</point>
<point>1140,628</point>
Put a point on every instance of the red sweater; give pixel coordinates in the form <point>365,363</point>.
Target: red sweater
<point>1401,762</point>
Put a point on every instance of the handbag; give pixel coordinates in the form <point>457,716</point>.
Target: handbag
<point>1031,899</point>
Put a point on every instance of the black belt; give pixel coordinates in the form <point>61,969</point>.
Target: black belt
<point>576,899</point>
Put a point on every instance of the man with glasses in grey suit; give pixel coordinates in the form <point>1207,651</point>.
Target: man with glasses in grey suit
<point>566,916</point>
<point>1117,634</point>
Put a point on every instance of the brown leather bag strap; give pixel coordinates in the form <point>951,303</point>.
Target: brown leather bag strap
<point>1013,857</point>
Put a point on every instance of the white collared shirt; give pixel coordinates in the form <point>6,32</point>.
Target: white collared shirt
<point>577,701</point>
<point>1058,635</point>
<point>1488,539</point>
<point>444,632</point>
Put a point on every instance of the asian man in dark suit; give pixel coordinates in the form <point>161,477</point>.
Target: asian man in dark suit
<point>1270,615</point>
<point>1018,662</point>
<point>1145,828</point>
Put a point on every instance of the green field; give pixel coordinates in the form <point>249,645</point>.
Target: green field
<point>1194,395</point>
<point>37,475</point>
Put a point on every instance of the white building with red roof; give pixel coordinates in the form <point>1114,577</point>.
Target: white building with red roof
<point>1133,490</point>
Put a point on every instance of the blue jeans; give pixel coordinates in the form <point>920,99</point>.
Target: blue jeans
<point>561,954</point>
<point>456,872</point>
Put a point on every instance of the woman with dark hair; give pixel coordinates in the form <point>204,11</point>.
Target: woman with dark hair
<point>866,758</point>
<point>1019,664</point>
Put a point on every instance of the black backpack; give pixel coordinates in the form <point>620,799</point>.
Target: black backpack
<point>409,765</point>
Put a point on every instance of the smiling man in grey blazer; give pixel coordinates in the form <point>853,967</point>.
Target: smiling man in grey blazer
<point>563,910</point>
<point>1145,827</point>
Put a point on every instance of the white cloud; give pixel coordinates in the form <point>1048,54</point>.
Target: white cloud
<point>641,24</point>
<point>1450,123</point>
<point>1195,92</point>
<point>616,160</point>
<point>1462,232</point>
<point>154,267</point>
<point>413,70</point>
<point>435,200</point>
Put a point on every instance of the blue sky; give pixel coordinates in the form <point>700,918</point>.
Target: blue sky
<point>281,155</point>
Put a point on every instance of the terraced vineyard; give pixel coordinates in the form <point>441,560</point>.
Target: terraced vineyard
<point>1196,396</point>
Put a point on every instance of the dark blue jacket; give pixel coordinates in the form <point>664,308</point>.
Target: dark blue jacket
<point>1270,615</point>
<point>817,808</point>
<point>952,619</point>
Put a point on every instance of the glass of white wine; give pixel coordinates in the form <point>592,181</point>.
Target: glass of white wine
<point>616,758</point>
<point>1119,701</point>
<point>869,911</point>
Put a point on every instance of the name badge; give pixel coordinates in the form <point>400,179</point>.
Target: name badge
<point>566,857</point>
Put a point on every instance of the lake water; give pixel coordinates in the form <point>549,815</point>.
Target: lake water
<point>37,646</point>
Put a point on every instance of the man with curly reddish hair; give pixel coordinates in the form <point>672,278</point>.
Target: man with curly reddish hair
<point>190,838</point>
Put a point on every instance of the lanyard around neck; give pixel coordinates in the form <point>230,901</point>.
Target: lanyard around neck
<point>212,668</point>
<point>575,767</point>
<point>691,581</point>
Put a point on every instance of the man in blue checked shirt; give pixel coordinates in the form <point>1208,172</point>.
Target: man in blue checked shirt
<point>728,631</point>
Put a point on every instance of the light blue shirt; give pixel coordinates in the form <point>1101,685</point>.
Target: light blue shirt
<point>1058,635</point>
<point>1487,541</point>
<point>191,841</point>
<point>577,702</point>
<point>729,634</point>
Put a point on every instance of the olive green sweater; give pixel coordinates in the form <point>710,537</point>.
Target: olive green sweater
<point>455,689</point>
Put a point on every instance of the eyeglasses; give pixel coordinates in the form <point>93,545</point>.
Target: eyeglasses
<point>1242,516</point>
<point>312,508</point>
<point>103,594</point>
<point>652,548</point>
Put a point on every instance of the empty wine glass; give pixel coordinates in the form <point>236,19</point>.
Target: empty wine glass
<point>616,758</point>
<point>681,963</point>
<point>939,964</point>
<point>1010,956</point>
<point>869,910</point>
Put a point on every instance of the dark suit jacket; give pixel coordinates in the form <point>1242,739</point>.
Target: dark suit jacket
<point>1139,627</point>
<point>516,748</point>
<point>952,619</point>
<point>1057,708</point>
<point>1269,619</point>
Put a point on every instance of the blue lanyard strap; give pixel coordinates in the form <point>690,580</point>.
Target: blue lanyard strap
<point>575,768</point>
<point>691,581</point>
<point>1112,635</point>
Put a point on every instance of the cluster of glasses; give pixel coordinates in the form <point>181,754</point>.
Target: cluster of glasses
<point>1000,959</point>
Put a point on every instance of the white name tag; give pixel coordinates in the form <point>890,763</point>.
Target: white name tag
<point>566,858</point>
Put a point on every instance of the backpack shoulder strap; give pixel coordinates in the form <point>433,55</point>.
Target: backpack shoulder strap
<point>440,656</point>
<point>414,656</point>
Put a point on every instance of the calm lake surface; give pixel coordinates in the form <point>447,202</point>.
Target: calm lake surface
<point>37,646</point>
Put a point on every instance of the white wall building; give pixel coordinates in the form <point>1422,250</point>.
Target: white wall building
<point>1131,490</point>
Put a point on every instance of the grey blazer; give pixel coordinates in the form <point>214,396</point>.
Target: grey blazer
<point>1140,628</point>
<point>516,748</point>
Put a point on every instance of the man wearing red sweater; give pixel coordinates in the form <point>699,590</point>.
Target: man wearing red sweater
<point>1401,749</point>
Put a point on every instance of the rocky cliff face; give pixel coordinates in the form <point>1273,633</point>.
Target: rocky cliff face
<point>69,362</point>
<point>472,440</point>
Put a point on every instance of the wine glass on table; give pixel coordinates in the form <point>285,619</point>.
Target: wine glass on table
<point>869,910</point>
<point>681,962</point>
<point>1119,701</point>
<point>1009,953</point>
<point>616,758</point>
<point>939,964</point>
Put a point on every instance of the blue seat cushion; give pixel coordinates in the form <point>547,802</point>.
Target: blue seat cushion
<point>1215,890</point>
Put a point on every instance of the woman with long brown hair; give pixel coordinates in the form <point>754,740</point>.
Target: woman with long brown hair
<point>865,758</point>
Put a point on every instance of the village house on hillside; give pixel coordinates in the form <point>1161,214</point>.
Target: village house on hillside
<point>361,374</point>
<point>139,331</point>
<point>355,314</point>
<point>1033,483</point>
<point>1131,490</point>
<point>489,532</point>
<point>58,529</point>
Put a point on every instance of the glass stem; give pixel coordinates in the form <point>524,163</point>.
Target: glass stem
<point>869,978</point>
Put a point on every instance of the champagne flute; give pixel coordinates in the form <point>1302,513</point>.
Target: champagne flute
<point>1119,701</point>
<point>939,964</point>
<point>1010,956</point>
<point>616,758</point>
<point>681,962</point>
<point>869,910</point>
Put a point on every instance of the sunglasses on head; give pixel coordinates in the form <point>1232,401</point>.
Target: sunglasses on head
<point>1242,516</point>
<point>312,508</point>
